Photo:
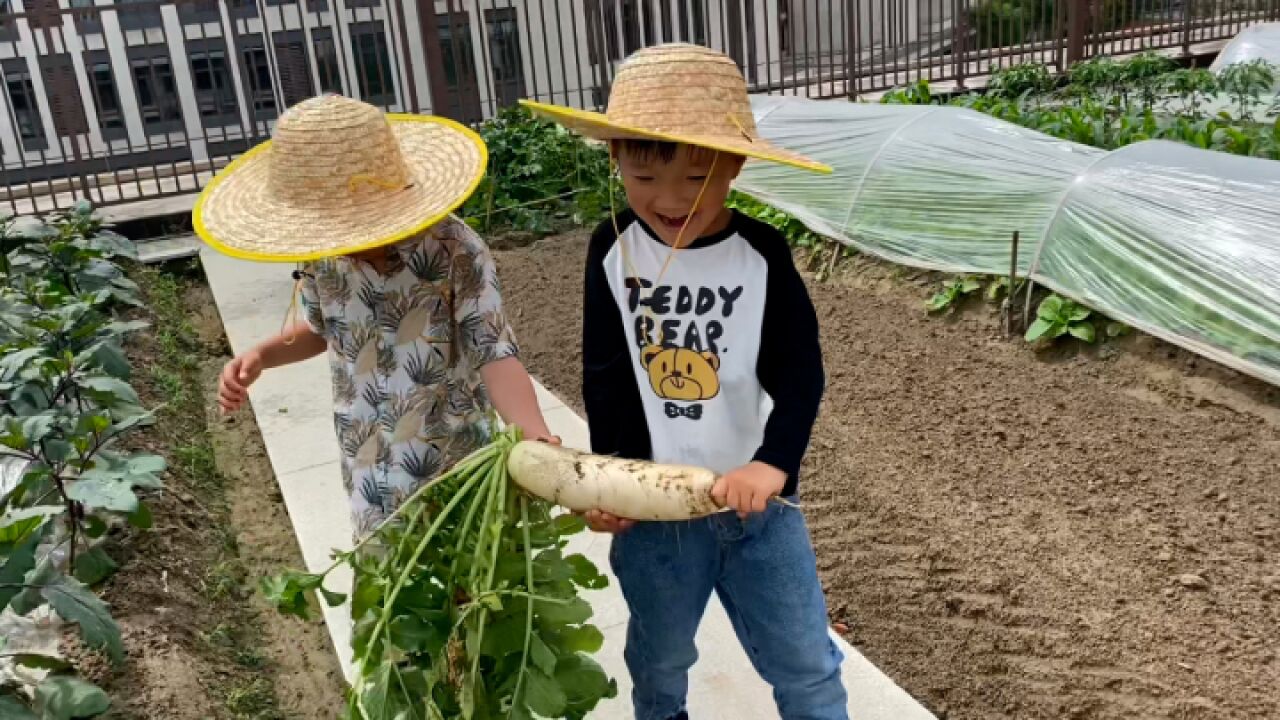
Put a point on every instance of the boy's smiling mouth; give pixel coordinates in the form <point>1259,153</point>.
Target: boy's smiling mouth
<point>675,223</point>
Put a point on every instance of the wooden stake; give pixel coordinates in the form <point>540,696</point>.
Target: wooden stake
<point>1010,295</point>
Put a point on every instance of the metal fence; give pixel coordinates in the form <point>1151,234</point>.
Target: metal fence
<point>125,100</point>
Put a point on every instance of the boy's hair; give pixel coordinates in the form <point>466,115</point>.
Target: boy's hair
<point>661,150</point>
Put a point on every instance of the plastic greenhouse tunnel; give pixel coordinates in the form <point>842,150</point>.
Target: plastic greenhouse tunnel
<point>1181,243</point>
<point>1256,42</point>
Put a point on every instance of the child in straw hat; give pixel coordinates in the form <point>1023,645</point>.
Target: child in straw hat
<point>700,346</point>
<point>402,295</point>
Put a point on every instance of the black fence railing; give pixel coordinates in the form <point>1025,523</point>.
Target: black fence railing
<point>148,98</point>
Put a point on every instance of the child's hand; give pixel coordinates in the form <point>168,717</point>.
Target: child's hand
<point>237,375</point>
<point>749,488</point>
<point>606,523</point>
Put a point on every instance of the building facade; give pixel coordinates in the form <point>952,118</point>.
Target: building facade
<point>94,86</point>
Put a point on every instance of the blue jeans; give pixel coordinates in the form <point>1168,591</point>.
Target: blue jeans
<point>765,573</point>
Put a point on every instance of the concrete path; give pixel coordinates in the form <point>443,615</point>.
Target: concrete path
<point>293,410</point>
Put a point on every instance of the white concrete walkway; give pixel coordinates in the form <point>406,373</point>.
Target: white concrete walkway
<point>293,409</point>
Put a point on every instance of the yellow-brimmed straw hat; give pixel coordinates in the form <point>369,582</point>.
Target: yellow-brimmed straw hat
<point>339,176</point>
<point>678,93</point>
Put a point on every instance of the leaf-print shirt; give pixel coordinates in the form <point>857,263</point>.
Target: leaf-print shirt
<point>405,349</point>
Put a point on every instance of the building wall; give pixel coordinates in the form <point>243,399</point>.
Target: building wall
<point>207,78</point>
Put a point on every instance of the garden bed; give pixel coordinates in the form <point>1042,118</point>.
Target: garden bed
<point>1087,533</point>
<point>199,640</point>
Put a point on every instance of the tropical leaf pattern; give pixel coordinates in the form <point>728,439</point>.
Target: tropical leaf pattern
<point>405,350</point>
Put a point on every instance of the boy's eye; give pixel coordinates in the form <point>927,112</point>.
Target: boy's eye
<point>642,178</point>
<point>698,178</point>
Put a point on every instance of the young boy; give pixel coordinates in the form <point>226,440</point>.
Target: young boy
<point>402,295</point>
<point>700,346</point>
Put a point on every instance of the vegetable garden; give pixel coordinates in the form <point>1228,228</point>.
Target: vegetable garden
<point>467,605</point>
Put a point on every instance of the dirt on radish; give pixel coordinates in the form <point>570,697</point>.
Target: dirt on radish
<point>1075,534</point>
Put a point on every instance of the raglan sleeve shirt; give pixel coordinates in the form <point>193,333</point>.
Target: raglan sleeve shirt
<point>633,413</point>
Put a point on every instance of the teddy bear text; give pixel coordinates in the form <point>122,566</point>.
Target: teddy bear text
<point>688,305</point>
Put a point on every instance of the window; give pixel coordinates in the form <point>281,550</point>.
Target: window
<point>257,70</point>
<point>215,93</point>
<point>668,30</point>
<point>138,18</point>
<point>373,63</point>
<point>8,26</point>
<point>611,31</point>
<point>637,17</point>
<point>456,48</point>
<point>327,63</point>
<point>292,67</point>
<point>504,54</point>
<point>157,94</point>
<point>197,11</point>
<point>107,100</point>
<point>22,98</point>
<point>699,23</point>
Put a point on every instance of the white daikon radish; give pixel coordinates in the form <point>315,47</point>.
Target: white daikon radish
<point>626,488</point>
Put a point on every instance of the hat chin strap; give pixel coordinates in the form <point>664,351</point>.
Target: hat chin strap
<point>626,257</point>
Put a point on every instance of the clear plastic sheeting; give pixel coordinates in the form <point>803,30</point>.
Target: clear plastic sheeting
<point>1256,42</point>
<point>1179,242</point>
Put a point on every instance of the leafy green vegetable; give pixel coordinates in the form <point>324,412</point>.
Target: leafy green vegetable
<point>465,606</point>
<point>1057,316</point>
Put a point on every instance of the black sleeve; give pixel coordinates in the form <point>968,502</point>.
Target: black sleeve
<point>790,363</point>
<point>615,411</point>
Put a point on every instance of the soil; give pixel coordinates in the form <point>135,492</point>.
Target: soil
<point>200,641</point>
<point>1010,533</point>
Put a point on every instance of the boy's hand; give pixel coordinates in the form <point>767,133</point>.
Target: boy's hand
<point>237,376</point>
<point>605,523</point>
<point>749,488</point>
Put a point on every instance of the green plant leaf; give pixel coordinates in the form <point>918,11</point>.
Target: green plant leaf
<point>970,285</point>
<point>15,568</point>
<point>288,591</point>
<point>67,698</point>
<point>110,392</point>
<point>1050,308</point>
<point>574,611</point>
<point>1083,331</point>
<point>331,598</point>
<point>141,518</point>
<point>939,302</point>
<point>107,356</point>
<point>1117,329</point>
<point>543,695</point>
<point>413,634</point>
<point>568,524</point>
<point>13,709</point>
<point>74,602</point>
<point>40,661</point>
<point>580,638</point>
<point>94,566</point>
<point>541,655</point>
<point>1039,329</point>
<point>584,682</point>
<point>94,527</point>
<point>1077,312</point>
<point>585,573</point>
<point>105,492</point>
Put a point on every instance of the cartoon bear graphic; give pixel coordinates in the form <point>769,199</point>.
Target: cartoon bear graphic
<point>680,374</point>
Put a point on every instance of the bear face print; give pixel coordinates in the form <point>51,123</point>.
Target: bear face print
<point>683,375</point>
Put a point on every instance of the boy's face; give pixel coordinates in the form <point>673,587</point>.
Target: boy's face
<point>663,190</point>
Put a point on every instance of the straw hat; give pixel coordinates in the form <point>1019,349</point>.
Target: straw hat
<point>339,176</point>
<point>678,93</point>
